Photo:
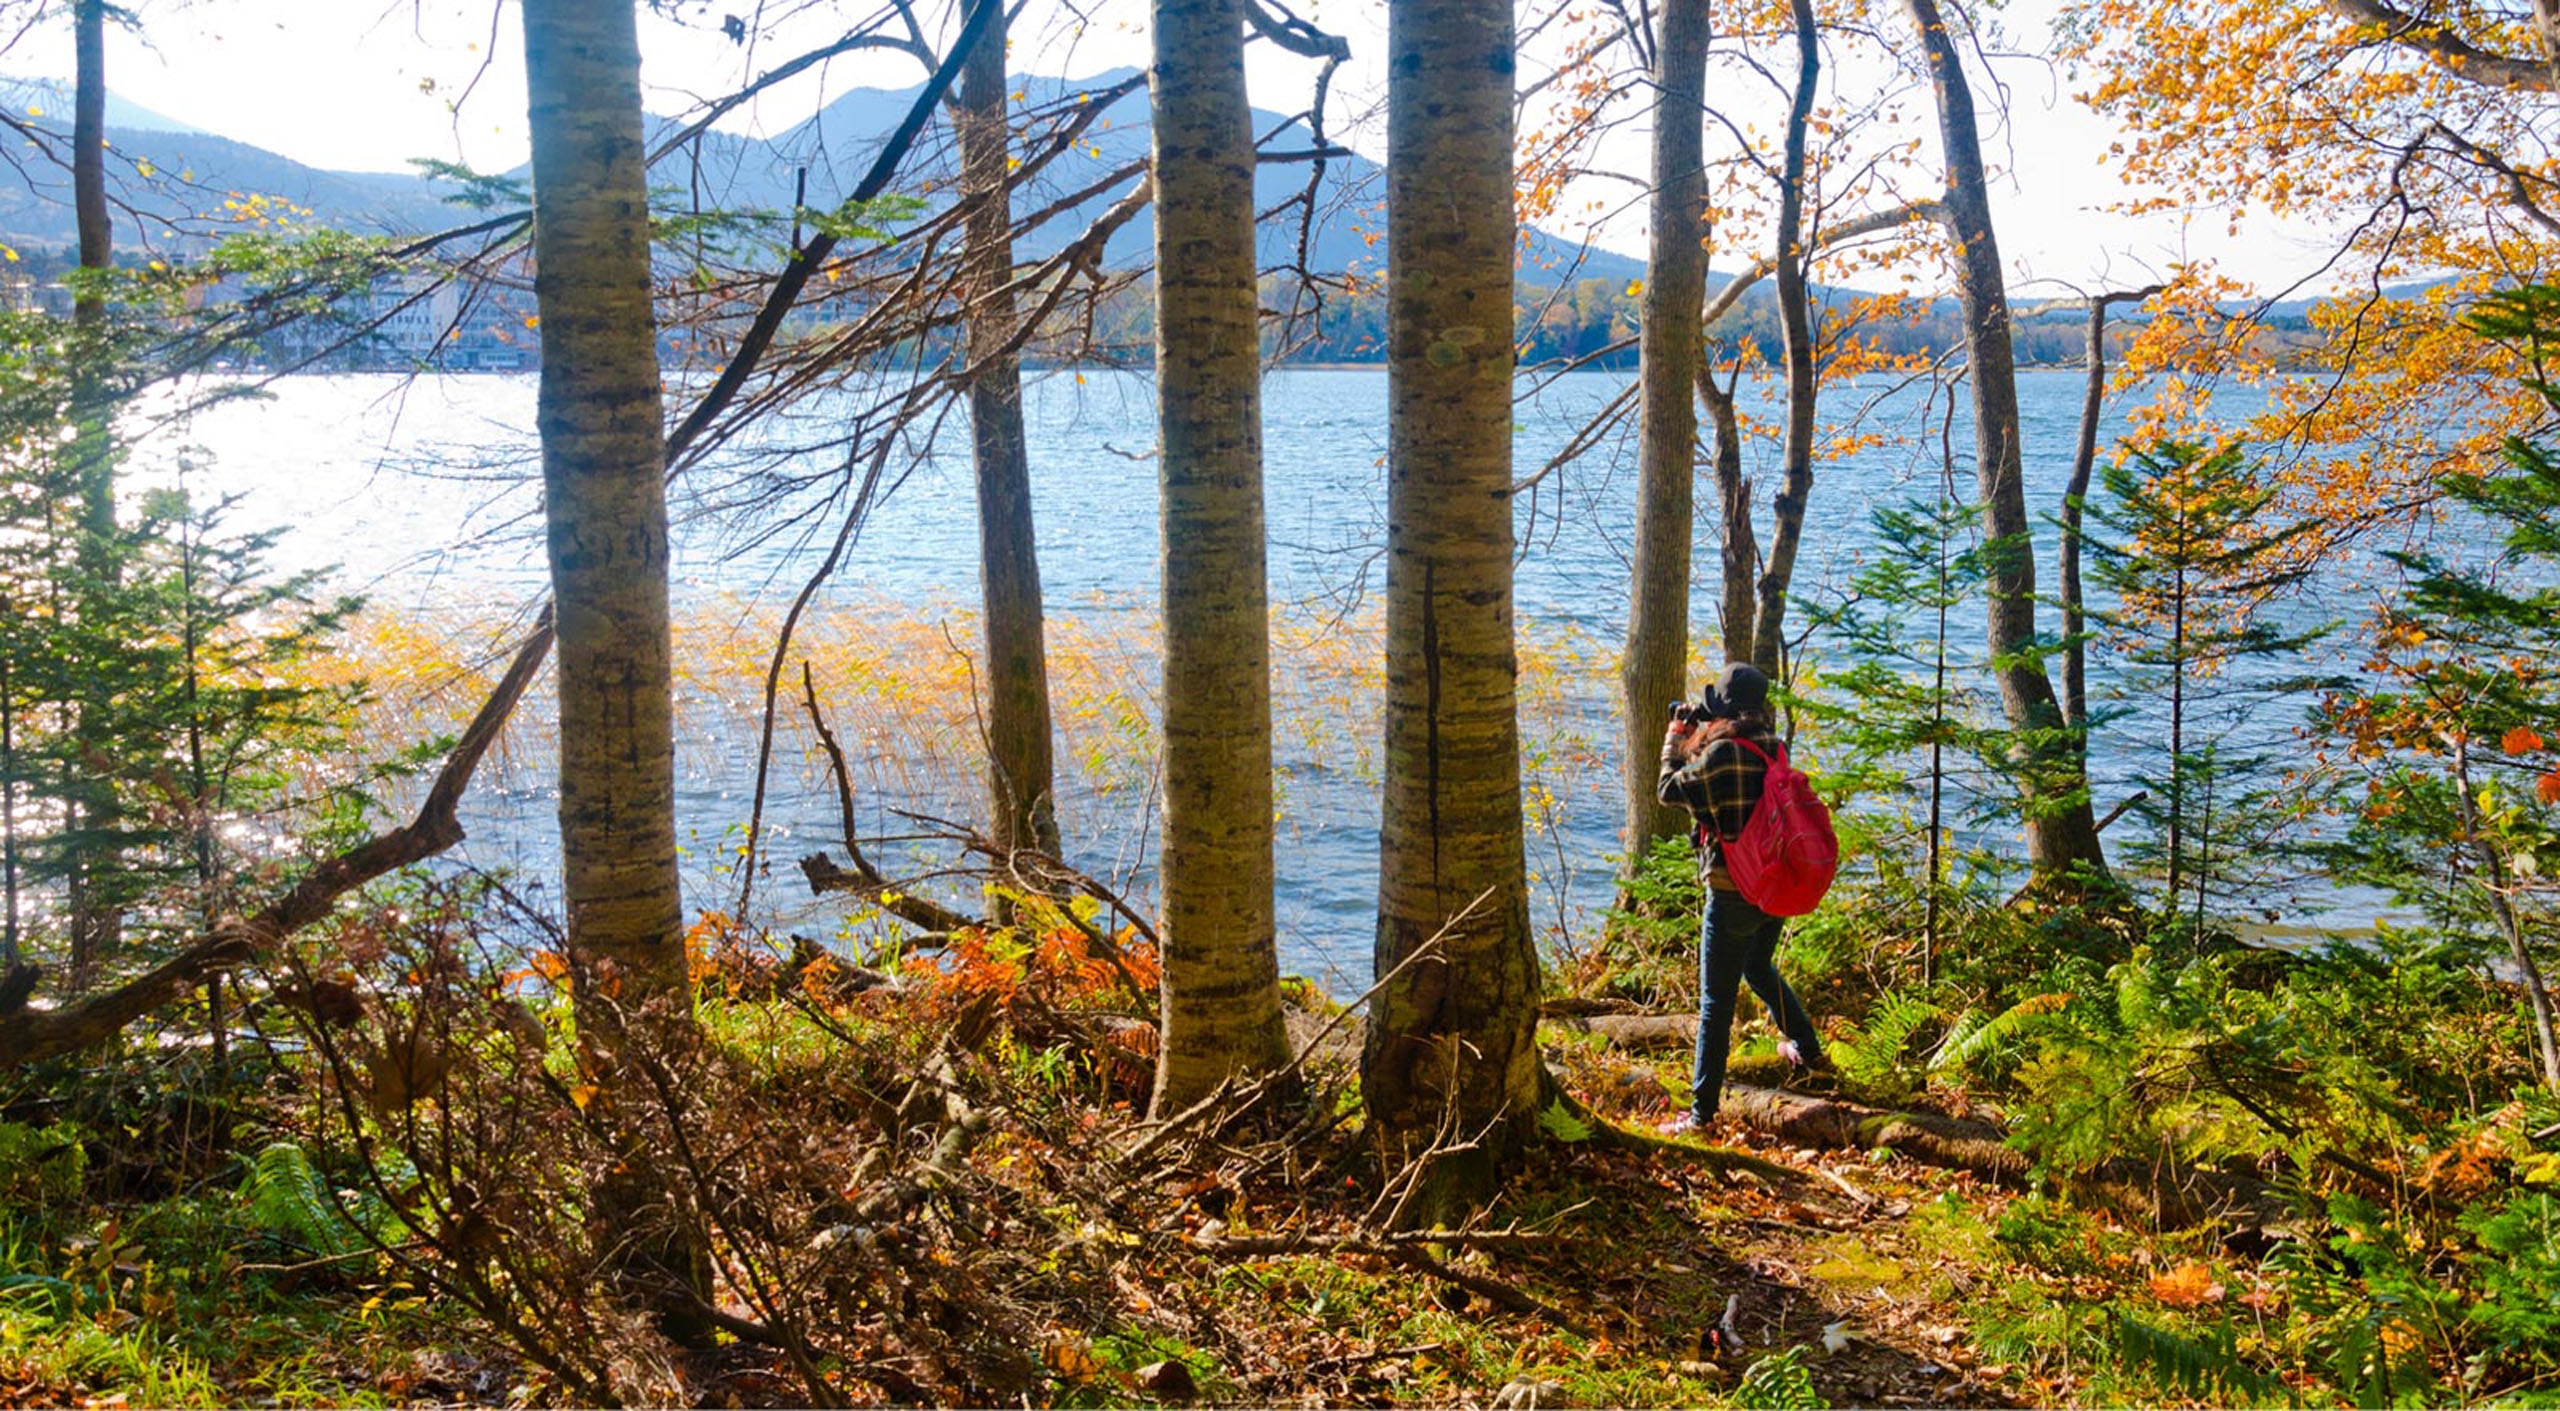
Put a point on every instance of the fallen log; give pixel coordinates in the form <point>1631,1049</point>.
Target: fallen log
<point>868,886</point>
<point>1633,1031</point>
<point>1565,1006</point>
<point>2172,1195</point>
<point>1955,1142</point>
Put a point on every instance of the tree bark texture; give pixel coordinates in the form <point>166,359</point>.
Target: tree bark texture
<point>1738,548</point>
<point>2062,834</point>
<point>603,495</point>
<point>1654,672</point>
<point>1795,326</point>
<point>1021,771</point>
<point>1450,1058</point>
<point>1221,960</point>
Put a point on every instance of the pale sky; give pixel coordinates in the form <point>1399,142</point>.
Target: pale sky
<point>367,84</point>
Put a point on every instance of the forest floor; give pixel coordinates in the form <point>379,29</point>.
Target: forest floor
<point>1747,1272</point>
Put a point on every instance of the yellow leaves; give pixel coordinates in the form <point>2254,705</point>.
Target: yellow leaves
<point>533,320</point>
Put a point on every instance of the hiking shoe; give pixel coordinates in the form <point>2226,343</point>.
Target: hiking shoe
<point>1793,1053</point>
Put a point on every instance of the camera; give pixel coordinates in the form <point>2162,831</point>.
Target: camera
<point>1687,713</point>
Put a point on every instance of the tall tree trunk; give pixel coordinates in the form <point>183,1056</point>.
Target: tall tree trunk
<point>2177,730</point>
<point>89,151</point>
<point>1221,988</point>
<point>1738,558</point>
<point>89,310</point>
<point>1655,670</point>
<point>9,953</point>
<point>603,498</point>
<point>1795,324</point>
<point>1020,765</point>
<point>1451,1058</point>
<point>2075,498</point>
<point>2075,501</point>
<point>93,912</point>
<point>605,513</point>
<point>2062,833</point>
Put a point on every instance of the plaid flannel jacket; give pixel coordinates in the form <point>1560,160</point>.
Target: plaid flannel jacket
<point>1719,788</point>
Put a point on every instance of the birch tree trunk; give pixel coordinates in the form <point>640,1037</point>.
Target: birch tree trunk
<point>1795,324</point>
<point>1451,1071</point>
<point>2062,833</point>
<point>1654,672</point>
<point>1020,764</point>
<point>1221,985</point>
<point>603,496</point>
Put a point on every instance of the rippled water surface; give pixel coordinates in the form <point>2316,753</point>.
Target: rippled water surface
<point>420,492</point>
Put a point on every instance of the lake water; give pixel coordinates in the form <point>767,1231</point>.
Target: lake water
<point>420,492</point>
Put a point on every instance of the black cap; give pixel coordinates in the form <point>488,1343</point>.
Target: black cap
<point>1740,689</point>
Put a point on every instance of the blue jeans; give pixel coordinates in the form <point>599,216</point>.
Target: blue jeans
<point>1736,944</point>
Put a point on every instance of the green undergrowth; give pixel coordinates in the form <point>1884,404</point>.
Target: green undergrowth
<point>179,1232</point>
<point>230,1277</point>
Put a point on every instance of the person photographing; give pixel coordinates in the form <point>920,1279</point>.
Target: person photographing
<point>1720,759</point>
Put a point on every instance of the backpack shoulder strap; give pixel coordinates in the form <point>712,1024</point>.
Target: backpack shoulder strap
<point>1755,749</point>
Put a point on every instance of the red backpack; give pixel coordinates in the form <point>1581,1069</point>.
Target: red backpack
<point>1787,854</point>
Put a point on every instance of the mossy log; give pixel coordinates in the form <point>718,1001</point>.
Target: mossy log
<point>2173,1196</point>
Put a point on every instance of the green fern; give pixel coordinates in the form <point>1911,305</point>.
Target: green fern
<point>1779,1382</point>
<point>284,1194</point>
<point>1875,1051</point>
<point>2193,1366</point>
<point>1975,1035</point>
<point>1558,1121</point>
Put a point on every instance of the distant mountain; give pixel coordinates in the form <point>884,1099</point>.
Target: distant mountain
<point>47,98</point>
<point>193,171</point>
<point>157,174</point>
<point>836,145</point>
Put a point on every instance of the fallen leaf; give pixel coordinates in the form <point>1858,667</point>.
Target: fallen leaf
<point>2190,1285</point>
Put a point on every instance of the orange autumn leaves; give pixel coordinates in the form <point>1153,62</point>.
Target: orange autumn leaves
<point>2290,109</point>
<point>2524,741</point>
